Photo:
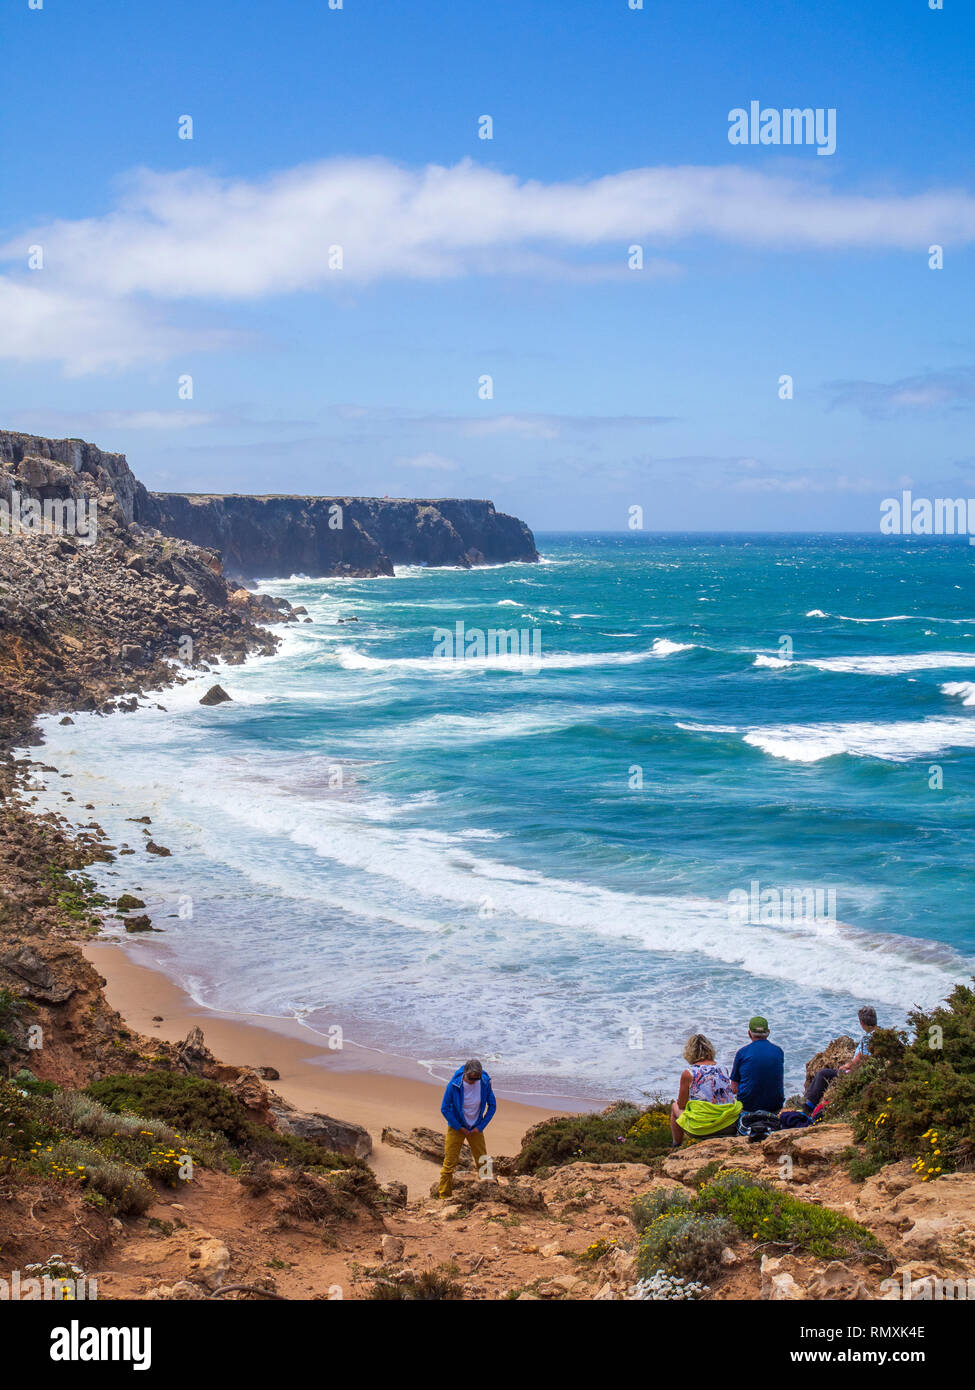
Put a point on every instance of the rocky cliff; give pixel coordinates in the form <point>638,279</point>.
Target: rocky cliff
<point>54,469</point>
<point>260,537</point>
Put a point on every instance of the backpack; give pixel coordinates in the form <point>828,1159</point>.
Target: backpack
<point>754,1125</point>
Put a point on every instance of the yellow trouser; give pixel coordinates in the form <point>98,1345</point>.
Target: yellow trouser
<point>452,1145</point>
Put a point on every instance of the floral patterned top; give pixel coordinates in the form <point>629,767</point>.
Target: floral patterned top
<point>710,1082</point>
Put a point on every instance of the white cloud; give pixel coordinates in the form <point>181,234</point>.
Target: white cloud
<point>88,332</point>
<point>192,236</point>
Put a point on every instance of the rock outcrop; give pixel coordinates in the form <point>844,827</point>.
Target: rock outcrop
<point>260,537</point>
<point>55,469</point>
<point>263,537</point>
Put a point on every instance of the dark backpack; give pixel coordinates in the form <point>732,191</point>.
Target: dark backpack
<point>754,1125</point>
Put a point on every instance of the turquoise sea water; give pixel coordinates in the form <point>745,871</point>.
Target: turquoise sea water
<point>533,863</point>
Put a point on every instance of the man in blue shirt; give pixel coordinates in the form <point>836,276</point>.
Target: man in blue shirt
<point>758,1075</point>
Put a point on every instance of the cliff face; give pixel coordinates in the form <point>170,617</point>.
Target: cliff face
<point>260,537</point>
<point>263,537</point>
<point>55,469</point>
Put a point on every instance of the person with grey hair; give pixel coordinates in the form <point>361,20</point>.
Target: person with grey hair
<point>468,1106</point>
<point>817,1086</point>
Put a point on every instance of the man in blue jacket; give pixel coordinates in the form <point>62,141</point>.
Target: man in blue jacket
<point>468,1105</point>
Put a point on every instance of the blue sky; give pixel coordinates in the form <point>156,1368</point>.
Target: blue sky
<point>506,257</point>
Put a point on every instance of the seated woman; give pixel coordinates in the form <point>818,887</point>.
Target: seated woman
<point>705,1104</point>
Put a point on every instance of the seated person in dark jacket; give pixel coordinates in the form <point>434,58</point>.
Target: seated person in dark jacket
<point>759,1070</point>
<point>818,1084</point>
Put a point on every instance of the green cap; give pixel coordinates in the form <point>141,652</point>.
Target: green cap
<point>758,1024</point>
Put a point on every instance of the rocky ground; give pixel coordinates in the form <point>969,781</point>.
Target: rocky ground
<point>564,1236</point>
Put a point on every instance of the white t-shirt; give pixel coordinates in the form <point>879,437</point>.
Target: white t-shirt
<point>472,1103</point>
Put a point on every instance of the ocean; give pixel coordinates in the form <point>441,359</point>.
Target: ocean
<point>734,775</point>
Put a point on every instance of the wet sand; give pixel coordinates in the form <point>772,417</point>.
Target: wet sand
<point>357,1084</point>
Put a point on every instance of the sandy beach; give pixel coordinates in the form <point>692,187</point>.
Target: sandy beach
<point>369,1088</point>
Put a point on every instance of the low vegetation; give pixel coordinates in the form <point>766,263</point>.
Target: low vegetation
<point>915,1096</point>
<point>68,1139</point>
<point>212,1113</point>
<point>622,1133</point>
<point>683,1235</point>
<point>427,1287</point>
<point>117,1141</point>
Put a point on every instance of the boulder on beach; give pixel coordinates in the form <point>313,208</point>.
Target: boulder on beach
<point>216,695</point>
<point>128,903</point>
<point>341,1136</point>
<point>141,923</point>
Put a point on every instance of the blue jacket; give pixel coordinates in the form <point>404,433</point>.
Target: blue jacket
<point>452,1105</point>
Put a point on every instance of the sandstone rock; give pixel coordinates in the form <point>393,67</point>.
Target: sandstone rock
<point>837,1281</point>
<point>184,1290</point>
<point>820,1145</point>
<point>37,979</point>
<point>250,1090</point>
<point>341,1136</point>
<point>835,1054</point>
<point>209,1261</point>
<point>193,1054</point>
<point>392,1249</point>
<point>605,1295</point>
<point>161,850</point>
<point>783,1289</point>
<point>567,1282</point>
<point>425,1143</point>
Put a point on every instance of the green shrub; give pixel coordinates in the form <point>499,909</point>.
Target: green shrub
<point>10,1005</point>
<point>687,1244</point>
<point>185,1102</point>
<point>916,1085</point>
<point>623,1133</point>
<point>123,1186</point>
<point>198,1108</point>
<point>81,1112</point>
<point>647,1207</point>
<point>761,1213</point>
